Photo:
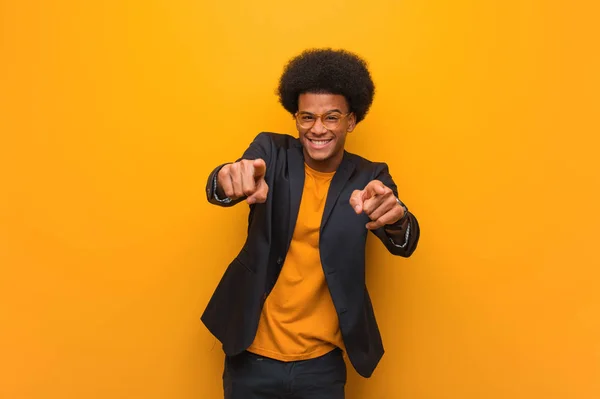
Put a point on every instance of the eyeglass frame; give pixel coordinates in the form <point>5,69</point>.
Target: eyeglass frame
<point>320,116</point>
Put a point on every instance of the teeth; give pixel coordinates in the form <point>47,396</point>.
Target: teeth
<point>320,142</point>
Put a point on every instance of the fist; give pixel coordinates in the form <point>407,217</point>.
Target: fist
<point>379,203</point>
<point>245,178</point>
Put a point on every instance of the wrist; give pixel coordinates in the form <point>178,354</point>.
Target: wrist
<point>218,193</point>
<point>404,210</point>
<point>398,223</point>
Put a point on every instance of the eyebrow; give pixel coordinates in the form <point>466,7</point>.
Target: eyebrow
<point>326,112</point>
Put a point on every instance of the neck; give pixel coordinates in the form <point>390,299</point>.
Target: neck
<point>327,165</point>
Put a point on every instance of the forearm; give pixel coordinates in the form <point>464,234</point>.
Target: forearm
<point>402,237</point>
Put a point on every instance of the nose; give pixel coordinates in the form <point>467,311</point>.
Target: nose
<point>318,127</point>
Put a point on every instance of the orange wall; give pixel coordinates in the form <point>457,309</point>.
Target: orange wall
<point>112,114</point>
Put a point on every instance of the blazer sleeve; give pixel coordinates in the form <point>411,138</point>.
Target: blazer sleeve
<point>259,148</point>
<point>402,237</point>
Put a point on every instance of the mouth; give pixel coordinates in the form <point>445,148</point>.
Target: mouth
<point>321,143</point>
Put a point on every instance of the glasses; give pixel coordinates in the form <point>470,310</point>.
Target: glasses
<point>330,120</point>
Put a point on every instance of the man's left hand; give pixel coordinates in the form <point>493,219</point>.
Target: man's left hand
<point>379,203</point>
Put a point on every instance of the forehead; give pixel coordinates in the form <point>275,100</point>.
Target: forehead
<point>321,102</point>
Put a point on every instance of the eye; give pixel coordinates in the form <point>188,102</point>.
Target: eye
<point>307,117</point>
<point>333,117</point>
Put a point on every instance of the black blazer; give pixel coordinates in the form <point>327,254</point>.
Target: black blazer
<point>233,312</point>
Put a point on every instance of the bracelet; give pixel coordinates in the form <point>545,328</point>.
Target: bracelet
<point>225,200</point>
<point>405,215</point>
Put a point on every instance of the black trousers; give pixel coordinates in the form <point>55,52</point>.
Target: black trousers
<point>249,376</point>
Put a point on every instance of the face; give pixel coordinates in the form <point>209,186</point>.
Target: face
<point>324,147</point>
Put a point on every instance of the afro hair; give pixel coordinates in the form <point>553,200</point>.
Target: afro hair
<point>327,71</point>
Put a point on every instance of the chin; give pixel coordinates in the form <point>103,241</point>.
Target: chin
<point>319,157</point>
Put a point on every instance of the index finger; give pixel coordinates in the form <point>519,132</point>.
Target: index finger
<point>260,168</point>
<point>375,187</point>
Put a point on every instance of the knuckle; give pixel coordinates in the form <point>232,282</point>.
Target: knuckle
<point>224,171</point>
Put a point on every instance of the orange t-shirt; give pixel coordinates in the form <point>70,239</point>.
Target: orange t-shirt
<point>298,320</point>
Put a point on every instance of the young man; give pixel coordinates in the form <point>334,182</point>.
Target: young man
<point>294,299</point>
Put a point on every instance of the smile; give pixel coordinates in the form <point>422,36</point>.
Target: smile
<point>320,143</point>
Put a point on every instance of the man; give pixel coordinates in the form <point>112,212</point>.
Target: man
<point>294,299</point>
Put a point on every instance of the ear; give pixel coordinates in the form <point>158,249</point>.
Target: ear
<point>351,122</point>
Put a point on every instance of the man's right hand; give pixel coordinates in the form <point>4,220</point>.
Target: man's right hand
<point>245,178</point>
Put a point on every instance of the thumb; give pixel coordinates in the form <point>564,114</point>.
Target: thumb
<point>260,168</point>
<point>356,201</point>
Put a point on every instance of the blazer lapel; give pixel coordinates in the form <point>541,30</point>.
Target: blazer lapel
<point>337,184</point>
<point>296,178</point>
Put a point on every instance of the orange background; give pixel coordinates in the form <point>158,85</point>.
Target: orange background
<point>113,113</point>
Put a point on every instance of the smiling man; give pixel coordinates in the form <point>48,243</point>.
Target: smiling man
<point>294,299</point>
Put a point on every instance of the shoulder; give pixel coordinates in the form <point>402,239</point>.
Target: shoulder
<point>366,165</point>
<point>278,140</point>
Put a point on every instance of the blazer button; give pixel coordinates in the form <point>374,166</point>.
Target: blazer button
<point>279,260</point>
